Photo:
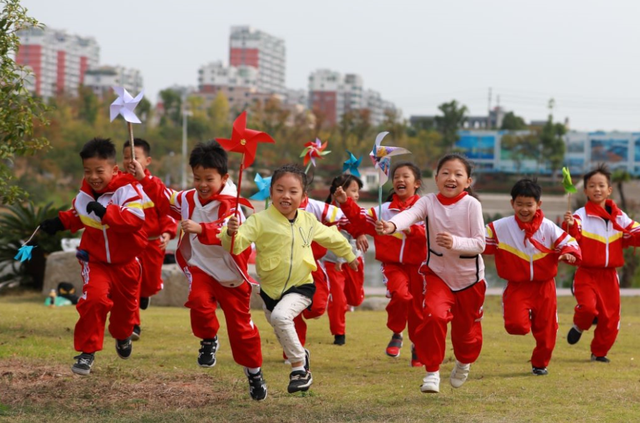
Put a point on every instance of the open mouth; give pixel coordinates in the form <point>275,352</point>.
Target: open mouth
<point>451,186</point>
<point>401,187</point>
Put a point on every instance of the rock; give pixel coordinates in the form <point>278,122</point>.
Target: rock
<point>175,287</point>
<point>62,266</point>
<point>374,304</point>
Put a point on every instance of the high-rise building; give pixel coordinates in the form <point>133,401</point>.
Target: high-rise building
<point>58,60</point>
<point>102,80</point>
<point>251,47</point>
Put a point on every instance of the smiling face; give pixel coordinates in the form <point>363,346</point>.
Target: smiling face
<point>598,189</point>
<point>405,183</point>
<point>208,181</point>
<point>141,157</point>
<point>525,207</point>
<point>99,172</point>
<point>452,178</point>
<point>286,194</point>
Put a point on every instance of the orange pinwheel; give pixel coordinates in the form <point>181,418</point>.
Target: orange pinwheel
<point>244,140</point>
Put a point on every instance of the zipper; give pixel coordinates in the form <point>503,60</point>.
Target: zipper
<point>606,256</point>
<point>404,238</point>
<point>106,244</point>
<point>290,260</point>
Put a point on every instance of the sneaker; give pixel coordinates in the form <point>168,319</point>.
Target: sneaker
<point>459,374</point>
<point>602,359</point>
<point>540,371</point>
<point>299,381</point>
<point>307,359</point>
<point>339,339</point>
<point>144,302</point>
<point>83,364</point>
<point>124,348</point>
<point>431,383</point>
<point>135,336</point>
<point>393,349</point>
<point>257,385</point>
<point>574,335</point>
<point>415,361</point>
<point>207,352</point>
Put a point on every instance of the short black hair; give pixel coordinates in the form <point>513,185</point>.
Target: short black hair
<point>295,170</point>
<point>602,169</point>
<point>343,181</point>
<point>209,155</point>
<point>527,188</point>
<point>102,148</point>
<point>138,142</point>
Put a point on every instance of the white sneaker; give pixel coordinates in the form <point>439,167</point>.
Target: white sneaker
<point>459,374</point>
<point>431,383</point>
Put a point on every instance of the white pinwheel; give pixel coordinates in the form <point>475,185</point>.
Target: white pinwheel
<point>124,105</point>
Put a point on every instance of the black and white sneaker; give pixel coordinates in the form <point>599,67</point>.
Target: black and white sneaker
<point>602,359</point>
<point>574,335</point>
<point>83,364</point>
<point>540,371</point>
<point>135,336</point>
<point>144,303</point>
<point>207,352</point>
<point>257,385</point>
<point>299,381</point>
<point>307,359</point>
<point>124,348</point>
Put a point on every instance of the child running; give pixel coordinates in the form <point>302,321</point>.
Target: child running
<point>346,286</point>
<point>603,231</point>
<point>400,255</point>
<point>214,275</point>
<point>527,247</point>
<point>158,225</point>
<point>284,261</point>
<point>454,270</point>
<point>109,209</point>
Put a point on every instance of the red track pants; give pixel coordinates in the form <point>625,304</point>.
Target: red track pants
<point>151,258</point>
<point>405,286</point>
<point>347,289</point>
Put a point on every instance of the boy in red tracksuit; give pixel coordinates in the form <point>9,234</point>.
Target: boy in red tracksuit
<point>159,226</point>
<point>603,231</point>
<point>214,275</point>
<point>109,209</point>
<point>527,247</point>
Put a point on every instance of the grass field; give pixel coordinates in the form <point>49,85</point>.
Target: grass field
<point>357,382</point>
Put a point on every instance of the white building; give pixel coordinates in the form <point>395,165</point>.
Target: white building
<point>251,47</point>
<point>102,79</point>
<point>215,74</point>
<point>58,60</point>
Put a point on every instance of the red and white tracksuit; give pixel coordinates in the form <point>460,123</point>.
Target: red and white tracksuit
<point>112,273</point>
<point>401,255</point>
<point>216,276</point>
<point>157,222</point>
<point>530,266</point>
<point>596,286</point>
<point>454,286</point>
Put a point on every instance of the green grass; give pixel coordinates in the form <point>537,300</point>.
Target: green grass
<point>356,382</point>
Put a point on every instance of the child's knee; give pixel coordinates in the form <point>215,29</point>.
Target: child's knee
<point>515,328</point>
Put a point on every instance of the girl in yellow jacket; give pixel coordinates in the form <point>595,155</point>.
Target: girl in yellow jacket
<point>284,261</point>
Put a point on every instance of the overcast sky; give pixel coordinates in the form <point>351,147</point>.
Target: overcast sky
<point>418,54</point>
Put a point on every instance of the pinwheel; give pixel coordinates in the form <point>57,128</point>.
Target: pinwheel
<point>351,165</point>
<point>124,106</point>
<point>568,185</point>
<point>381,158</point>
<point>313,150</point>
<point>264,185</point>
<point>244,141</point>
<point>24,253</point>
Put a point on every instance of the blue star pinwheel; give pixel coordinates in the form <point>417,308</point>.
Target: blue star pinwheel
<point>263,186</point>
<point>24,252</point>
<point>351,165</point>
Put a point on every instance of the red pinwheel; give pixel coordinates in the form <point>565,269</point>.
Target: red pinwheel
<point>313,150</point>
<point>244,140</point>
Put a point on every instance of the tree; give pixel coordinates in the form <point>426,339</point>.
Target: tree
<point>552,144</point>
<point>511,122</point>
<point>19,110</point>
<point>519,148</point>
<point>172,103</point>
<point>619,177</point>
<point>452,119</point>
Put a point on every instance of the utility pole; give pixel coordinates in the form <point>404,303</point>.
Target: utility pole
<point>185,113</point>
<point>489,110</point>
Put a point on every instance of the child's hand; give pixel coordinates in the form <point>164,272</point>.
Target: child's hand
<point>383,227</point>
<point>569,258</point>
<point>232,225</point>
<point>164,240</point>
<point>568,218</point>
<point>445,240</point>
<point>362,243</point>
<point>354,265</point>
<point>340,196</point>
<point>191,227</point>
<point>135,168</point>
<point>338,266</point>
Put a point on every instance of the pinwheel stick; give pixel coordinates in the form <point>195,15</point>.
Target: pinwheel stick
<point>308,166</point>
<point>380,202</point>
<point>233,238</point>
<point>32,235</point>
<point>133,150</point>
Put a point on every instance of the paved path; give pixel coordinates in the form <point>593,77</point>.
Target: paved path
<point>561,292</point>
